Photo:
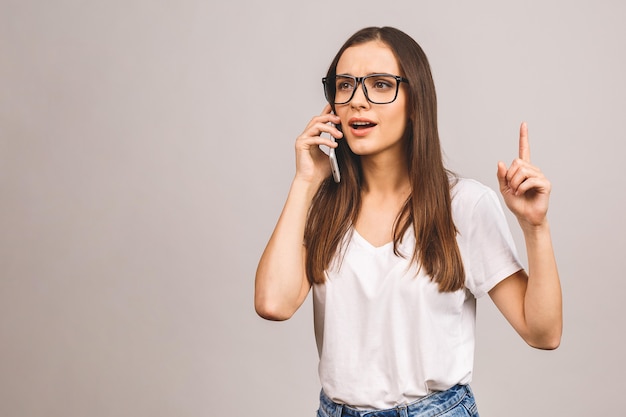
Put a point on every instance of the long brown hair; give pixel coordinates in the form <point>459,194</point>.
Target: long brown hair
<point>335,207</point>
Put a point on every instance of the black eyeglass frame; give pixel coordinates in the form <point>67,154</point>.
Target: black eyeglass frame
<point>360,80</point>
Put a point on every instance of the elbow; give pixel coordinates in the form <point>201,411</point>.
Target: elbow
<point>271,311</point>
<point>271,314</point>
<point>549,344</point>
<point>546,342</point>
<point>277,300</point>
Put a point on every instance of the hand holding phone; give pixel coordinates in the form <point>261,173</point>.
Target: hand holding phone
<point>332,156</point>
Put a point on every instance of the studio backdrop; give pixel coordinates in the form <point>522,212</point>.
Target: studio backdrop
<point>146,150</point>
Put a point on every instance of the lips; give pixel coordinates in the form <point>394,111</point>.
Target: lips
<point>358,123</point>
<point>360,126</point>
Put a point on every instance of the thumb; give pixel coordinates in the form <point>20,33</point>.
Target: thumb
<point>502,175</point>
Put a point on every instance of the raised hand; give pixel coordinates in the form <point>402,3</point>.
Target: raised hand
<point>311,163</point>
<point>526,191</point>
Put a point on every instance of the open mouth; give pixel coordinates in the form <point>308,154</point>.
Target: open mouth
<point>362,125</point>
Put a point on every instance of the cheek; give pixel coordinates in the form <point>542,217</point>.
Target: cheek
<point>397,124</point>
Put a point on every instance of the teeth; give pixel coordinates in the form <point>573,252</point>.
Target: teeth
<point>362,124</point>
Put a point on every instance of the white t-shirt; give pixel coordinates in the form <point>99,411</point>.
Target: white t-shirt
<point>386,336</point>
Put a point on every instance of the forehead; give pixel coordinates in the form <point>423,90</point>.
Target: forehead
<point>368,58</point>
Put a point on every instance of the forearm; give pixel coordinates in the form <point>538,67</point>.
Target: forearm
<point>281,284</point>
<point>543,300</point>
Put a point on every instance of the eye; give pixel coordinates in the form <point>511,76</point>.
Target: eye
<point>344,85</point>
<point>382,84</point>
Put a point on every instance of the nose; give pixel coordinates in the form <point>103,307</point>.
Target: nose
<point>359,100</point>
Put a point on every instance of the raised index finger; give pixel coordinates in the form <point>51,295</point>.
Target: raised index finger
<point>524,147</point>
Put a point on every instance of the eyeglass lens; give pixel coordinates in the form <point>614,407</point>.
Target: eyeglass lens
<point>379,89</point>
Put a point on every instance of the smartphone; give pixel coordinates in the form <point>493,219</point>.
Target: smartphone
<point>334,167</point>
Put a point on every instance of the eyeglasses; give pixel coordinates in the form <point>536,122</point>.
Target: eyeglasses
<point>378,88</point>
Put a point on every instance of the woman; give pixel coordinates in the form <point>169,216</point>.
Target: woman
<point>398,252</point>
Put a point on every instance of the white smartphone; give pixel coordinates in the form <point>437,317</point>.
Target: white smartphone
<point>334,167</point>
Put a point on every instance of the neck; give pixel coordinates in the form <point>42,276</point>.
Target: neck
<point>385,175</point>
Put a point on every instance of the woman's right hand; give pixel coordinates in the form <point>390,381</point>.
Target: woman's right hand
<point>311,163</point>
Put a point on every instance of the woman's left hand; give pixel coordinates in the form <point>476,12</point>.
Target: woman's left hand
<point>526,191</point>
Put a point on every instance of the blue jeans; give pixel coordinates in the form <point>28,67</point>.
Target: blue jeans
<point>458,401</point>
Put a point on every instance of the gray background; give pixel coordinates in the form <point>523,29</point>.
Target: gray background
<point>146,148</point>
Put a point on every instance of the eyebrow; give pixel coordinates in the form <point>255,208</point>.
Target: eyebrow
<point>370,73</point>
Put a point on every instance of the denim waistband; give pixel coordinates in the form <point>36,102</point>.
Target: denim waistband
<point>431,405</point>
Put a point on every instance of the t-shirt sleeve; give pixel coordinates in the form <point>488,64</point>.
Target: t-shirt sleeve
<point>490,246</point>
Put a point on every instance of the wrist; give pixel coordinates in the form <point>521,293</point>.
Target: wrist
<point>535,229</point>
<point>308,186</point>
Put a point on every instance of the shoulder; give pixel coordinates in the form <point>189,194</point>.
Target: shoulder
<point>467,192</point>
<point>474,203</point>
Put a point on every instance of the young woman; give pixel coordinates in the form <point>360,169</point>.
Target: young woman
<point>398,252</point>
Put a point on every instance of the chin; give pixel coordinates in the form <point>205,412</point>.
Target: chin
<point>368,146</point>
<point>358,149</point>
